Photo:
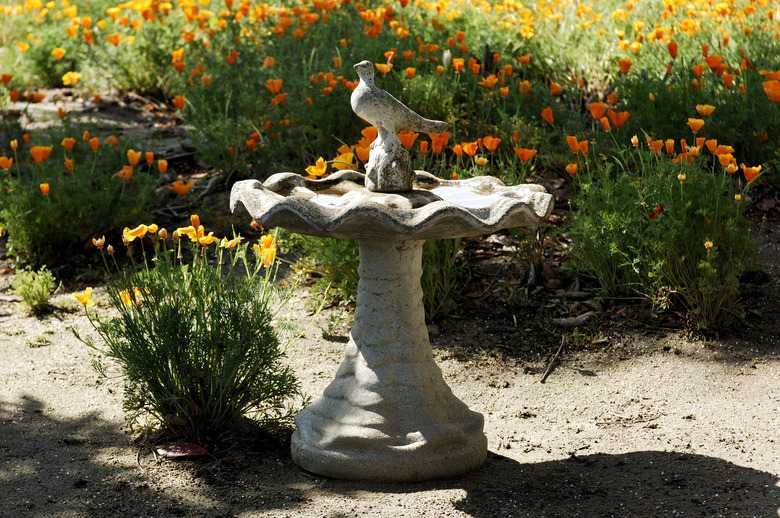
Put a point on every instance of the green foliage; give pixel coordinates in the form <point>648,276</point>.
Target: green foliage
<point>49,228</point>
<point>197,345</point>
<point>335,262</point>
<point>35,288</point>
<point>642,230</point>
<point>440,272</point>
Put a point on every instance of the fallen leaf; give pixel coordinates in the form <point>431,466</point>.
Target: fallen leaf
<point>181,449</point>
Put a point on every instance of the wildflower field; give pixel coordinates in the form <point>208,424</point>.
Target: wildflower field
<point>659,117</point>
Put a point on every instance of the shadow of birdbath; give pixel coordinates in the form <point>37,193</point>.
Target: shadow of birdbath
<point>388,414</point>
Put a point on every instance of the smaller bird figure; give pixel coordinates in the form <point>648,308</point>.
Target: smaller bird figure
<point>389,166</point>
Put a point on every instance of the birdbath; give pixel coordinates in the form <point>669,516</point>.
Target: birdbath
<point>389,415</point>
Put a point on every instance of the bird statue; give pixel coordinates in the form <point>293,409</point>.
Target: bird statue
<point>389,166</point>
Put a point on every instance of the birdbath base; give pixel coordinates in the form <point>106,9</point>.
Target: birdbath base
<point>388,415</point>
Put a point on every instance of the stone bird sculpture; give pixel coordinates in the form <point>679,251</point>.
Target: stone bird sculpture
<point>389,167</point>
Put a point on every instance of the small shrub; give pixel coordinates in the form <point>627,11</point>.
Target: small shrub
<point>197,345</point>
<point>673,232</point>
<point>36,289</point>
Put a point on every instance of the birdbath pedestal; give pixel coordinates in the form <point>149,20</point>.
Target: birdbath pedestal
<point>388,414</point>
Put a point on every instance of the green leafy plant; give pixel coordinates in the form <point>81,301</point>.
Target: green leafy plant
<point>36,289</point>
<point>669,230</point>
<point>56,197</point>
<point>196,342</point>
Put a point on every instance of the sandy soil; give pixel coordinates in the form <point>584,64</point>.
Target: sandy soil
<point>653,424</point>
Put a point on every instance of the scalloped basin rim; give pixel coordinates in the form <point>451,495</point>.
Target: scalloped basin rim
<point>340,206</point>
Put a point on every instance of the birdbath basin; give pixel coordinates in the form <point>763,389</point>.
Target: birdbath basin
<point>388,414</point>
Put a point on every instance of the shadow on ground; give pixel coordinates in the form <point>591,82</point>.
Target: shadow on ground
<point>86,467</point>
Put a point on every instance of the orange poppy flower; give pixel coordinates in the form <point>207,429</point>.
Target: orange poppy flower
<point>525,59</point>
<point>489,82</point>
<point>178,101</point>
<point>438,142</point>
<point>672,48</point>
<point>555,89</point>
<point>725,159</point>
<point>6,78</point>
<point>458,150</point>
<point>547,114</point>
<point>407,138</point>
<point>274,85</point>
<point>728,80</point>
<point>69,165</point>
<point>491,143</point>
<point>411,72</point>
<point>524,154</point>
<point>625,65</point>
<point>470,148</point>
<point>750,172</point>
<point>266,249</point>
<point>114,39</point>
<point>713,62</point>
<point>695,124</point>
<point>384,68</point>
<point>61,113</point>
<point>597,110</point>
<point>572,169</point>
<point>424,147</point>
<point>83,298</point>
<point>149,157</point>
<point>13,95</point>
<point>772,90</point>
<point>698,70</point>
<point>572,142</point>
<point>126,173</point>
<point>68,143</point>
<point>605,123</point>
<point>38,97</point>
<point>269,62</point>
<point>279,99</point>
<point>58,53</point>
<point>583,147</point>
<point>669,146</point>
<point>618,118</point>
<point>705,109</point>
<point>44,188</point>
<point>317,170</point>
<point>162,166</point>
<point>5,162</point>
<point>40,153</point>
<point>180,188</point>
<point>133,156</point>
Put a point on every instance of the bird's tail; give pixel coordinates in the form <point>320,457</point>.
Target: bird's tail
<point>429,126</point>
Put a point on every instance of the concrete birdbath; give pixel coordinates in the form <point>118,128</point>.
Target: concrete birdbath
<point>388,414</point>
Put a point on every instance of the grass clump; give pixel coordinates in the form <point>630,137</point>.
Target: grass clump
<point>36,289</point>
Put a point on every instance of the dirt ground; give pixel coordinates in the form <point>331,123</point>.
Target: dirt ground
<point>654,424</point>
<point>651,422</point>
